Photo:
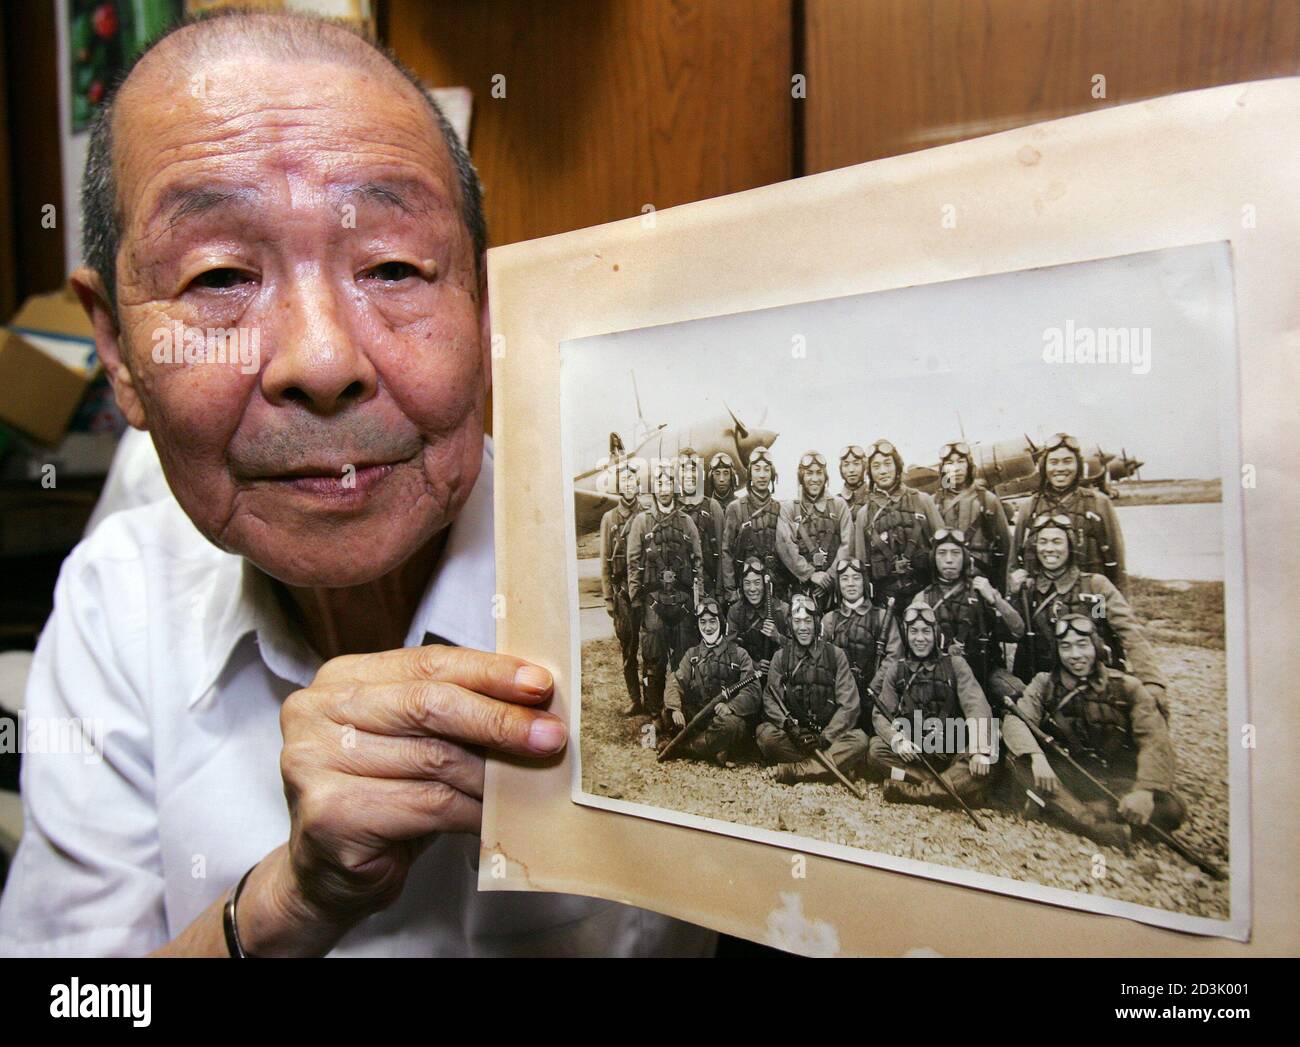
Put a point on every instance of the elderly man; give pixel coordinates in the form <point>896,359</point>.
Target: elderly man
<point>282,629</point>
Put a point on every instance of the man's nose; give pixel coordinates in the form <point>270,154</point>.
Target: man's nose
<point>314,359</point>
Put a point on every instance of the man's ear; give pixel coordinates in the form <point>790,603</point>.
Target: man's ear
<point>485,324</point>
<point>94,299</point>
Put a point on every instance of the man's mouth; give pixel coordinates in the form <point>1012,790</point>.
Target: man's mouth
<point>344,482</point>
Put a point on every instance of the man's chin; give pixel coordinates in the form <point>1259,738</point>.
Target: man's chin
<point>332,565</point>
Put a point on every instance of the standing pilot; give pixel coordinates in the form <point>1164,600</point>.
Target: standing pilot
<point>1094,527</point>
<point>815,531</point>
<point>615,529</point>
<point>967,505</point>
<point>750,527</point>
<point>663,564</point>
<point>893,529</point>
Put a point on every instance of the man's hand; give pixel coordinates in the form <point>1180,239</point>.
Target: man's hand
<point>906,749</point>
<point>1045,780</point>
<point>678,718</point>
<point>765,665</point>
<point>985,588</point>
<point>1017,580</point>
<point>769,628</point>
<point>384,751</point>
<point>956,647</point>
<point>1137,807</point>
<point>980,765</point>
<point>722,709</point>
<point>822,580</point>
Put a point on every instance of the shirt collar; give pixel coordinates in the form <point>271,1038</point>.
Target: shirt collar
<point>456,606</point>
<point>1063,583</point>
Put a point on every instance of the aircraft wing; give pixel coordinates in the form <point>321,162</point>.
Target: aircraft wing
<point>589,507</point>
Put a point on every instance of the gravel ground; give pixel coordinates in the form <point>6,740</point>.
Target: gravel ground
<point>616,765</point>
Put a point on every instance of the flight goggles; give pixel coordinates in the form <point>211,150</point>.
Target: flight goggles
<point>851,563</point>
<point>722,460</point>
<point>882,447</point>
<point>950,534</point>
<point>919,610</point>
<point>1074,623</point>
<point>956,447</point>
<point>760,454</point>
<point>802,604</point>
<point>853,451</point>
<point>753,566</point>
<point>708,606</point>
<point>1051,520</point>
<point>812,458</point>
<point>1062,440</point>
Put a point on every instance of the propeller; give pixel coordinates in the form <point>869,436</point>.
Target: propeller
<point>1034,450</point>
<point>741,431</point>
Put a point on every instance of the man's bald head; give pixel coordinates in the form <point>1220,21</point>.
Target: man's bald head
<point>280,36</point>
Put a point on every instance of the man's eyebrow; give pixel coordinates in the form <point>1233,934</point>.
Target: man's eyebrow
<point>410,196</point>
<point>183,203</point>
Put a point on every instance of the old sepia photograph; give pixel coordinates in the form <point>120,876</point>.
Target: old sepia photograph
<point>945,579</point>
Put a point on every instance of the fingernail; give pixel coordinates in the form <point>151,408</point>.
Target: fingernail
<point>546,735</point>
<point>533,678</point>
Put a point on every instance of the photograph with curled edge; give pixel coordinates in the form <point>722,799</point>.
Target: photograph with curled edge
<point>946,579</point>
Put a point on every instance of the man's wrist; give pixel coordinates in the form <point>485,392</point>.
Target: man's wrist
<point>273,917</point>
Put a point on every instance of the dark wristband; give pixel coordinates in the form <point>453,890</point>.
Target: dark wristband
<point>233,945</point>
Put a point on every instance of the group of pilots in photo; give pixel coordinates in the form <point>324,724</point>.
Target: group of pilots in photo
<point>865,635</point>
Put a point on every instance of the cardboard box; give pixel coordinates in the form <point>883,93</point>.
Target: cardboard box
<point>47,361</point>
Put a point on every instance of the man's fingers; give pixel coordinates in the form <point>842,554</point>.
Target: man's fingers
<point>495,675</point>
<point>449,711</point>
<point>407,810</point>
<point>419,758</point>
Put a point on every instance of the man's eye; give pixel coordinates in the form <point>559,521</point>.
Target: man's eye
<point>222,278</point>
<point>392,271</point>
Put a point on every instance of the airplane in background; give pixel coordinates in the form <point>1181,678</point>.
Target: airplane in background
<point>1010,468</point>
<point>594,492</point>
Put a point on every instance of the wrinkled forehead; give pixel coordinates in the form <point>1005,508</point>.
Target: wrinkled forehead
<point>229,123</point>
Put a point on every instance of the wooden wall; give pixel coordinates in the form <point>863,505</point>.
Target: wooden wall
<point>892,76</point>
<point>610,104</point>
<point>613,104</point>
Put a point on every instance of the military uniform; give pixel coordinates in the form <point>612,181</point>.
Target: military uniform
<point>812,537</point>
<point>664,559</point>
<point>707,515</point>
<point>965,619</point>
<point>861,631</point>
<point>855,497</point>
<point>1095,534</point>
<point>745,625</point>
<point>1079,592</point>
<point>814,685</point>
<point>615,528</point>
<point>1112,726</point>
<point>749,529</point>
<point>891,535</point>
<point>699,677</point>
<point>938,687</point>
<point>978,513</point>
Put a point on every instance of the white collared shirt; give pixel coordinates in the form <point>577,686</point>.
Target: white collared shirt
<point>174,657</point>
